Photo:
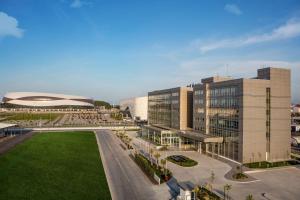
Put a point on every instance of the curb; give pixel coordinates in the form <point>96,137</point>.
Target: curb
<point>108,178</point>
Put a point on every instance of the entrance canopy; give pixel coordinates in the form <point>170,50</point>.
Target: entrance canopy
<point>4,125</point>
<point>206,138</point>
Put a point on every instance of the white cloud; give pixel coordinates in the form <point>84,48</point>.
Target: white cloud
<point>288,30</point>
<point>233,9</point>
<point>78,3</point>
<point>9,26</point>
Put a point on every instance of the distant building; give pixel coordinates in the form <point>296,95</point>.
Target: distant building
<point>45,100</point>
<point>136,107</point>
<point>245,120</point>
<point>296,109</point>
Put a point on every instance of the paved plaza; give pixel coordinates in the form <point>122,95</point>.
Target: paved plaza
<point>275,184</point>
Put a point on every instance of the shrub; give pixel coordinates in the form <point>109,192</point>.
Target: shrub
<point>187,162</point>
<point>150,170</point>
<point>265,164</point>
<point>239,176</point>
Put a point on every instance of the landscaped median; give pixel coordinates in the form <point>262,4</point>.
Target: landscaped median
<point>182,161</point>
<point>153,171</point>
<point>264,164</point>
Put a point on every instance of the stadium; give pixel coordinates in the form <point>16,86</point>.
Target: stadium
<point>45,100</point>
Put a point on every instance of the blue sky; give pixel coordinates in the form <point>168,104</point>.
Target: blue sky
<point>112,50</point>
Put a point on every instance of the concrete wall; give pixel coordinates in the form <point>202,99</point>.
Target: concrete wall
<point>280,84</point>
<point>253,120</point>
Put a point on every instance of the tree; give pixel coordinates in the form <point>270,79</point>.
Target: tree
<point>212,179</point>
<point>196,190</point>
<point>227,187</point>
<point>151,153</point>
<point>163,163</point>
<point>249,197</point>
<point>102,103</point>
<point>157,155</point>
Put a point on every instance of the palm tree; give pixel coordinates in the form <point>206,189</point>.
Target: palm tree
<point>196,190</point>
<point>227,187</point>
<point>249,197</point>
<point>212,178</point>
<point>163,163</point>
<point>157,155</point>
<point>151,153</point>
<point>129,141</point>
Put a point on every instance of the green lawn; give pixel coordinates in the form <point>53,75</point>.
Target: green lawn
<point>63,165</point>
<point>32,116</point>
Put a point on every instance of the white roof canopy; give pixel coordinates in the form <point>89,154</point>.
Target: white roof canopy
<point>4,125</point>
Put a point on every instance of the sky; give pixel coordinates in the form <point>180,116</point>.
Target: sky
<point>113,50</point>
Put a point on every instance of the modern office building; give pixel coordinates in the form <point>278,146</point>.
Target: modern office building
<point>43,100</point>
<point>168,111</point>
<point>137,107</point>
<point>246,119</point>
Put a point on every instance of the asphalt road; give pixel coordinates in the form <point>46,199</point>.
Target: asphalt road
<point>126,180</point>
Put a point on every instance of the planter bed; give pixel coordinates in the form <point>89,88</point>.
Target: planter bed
<point>150,170</point>
<point>182,161</point>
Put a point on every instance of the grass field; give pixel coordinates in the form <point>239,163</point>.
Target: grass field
<point>54,166</point>
<point>30,116</point>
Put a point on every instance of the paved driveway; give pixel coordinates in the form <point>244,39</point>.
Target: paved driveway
<point>126,180</point>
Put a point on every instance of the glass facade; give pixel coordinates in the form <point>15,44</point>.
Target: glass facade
<point>163,110</point>
<point>216,112</point>
<point>224,120</point>
<point>161,136</point>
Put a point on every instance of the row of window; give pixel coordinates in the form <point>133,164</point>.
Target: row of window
<point>198,92</point>
<point>223,102</point>
<point>199,101</point>
<point>227,91</point>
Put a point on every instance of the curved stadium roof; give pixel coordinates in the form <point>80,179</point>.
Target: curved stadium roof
<point>35,99</point>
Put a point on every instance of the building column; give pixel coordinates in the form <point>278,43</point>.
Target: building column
<point>179,143</point>
<point>200,147</point>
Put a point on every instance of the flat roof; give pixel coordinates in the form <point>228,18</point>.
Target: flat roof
<point>200,136</point>
<point>157,128</point>
<point>4,125</point>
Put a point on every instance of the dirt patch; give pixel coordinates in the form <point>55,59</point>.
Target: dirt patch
<point>13,141</point>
